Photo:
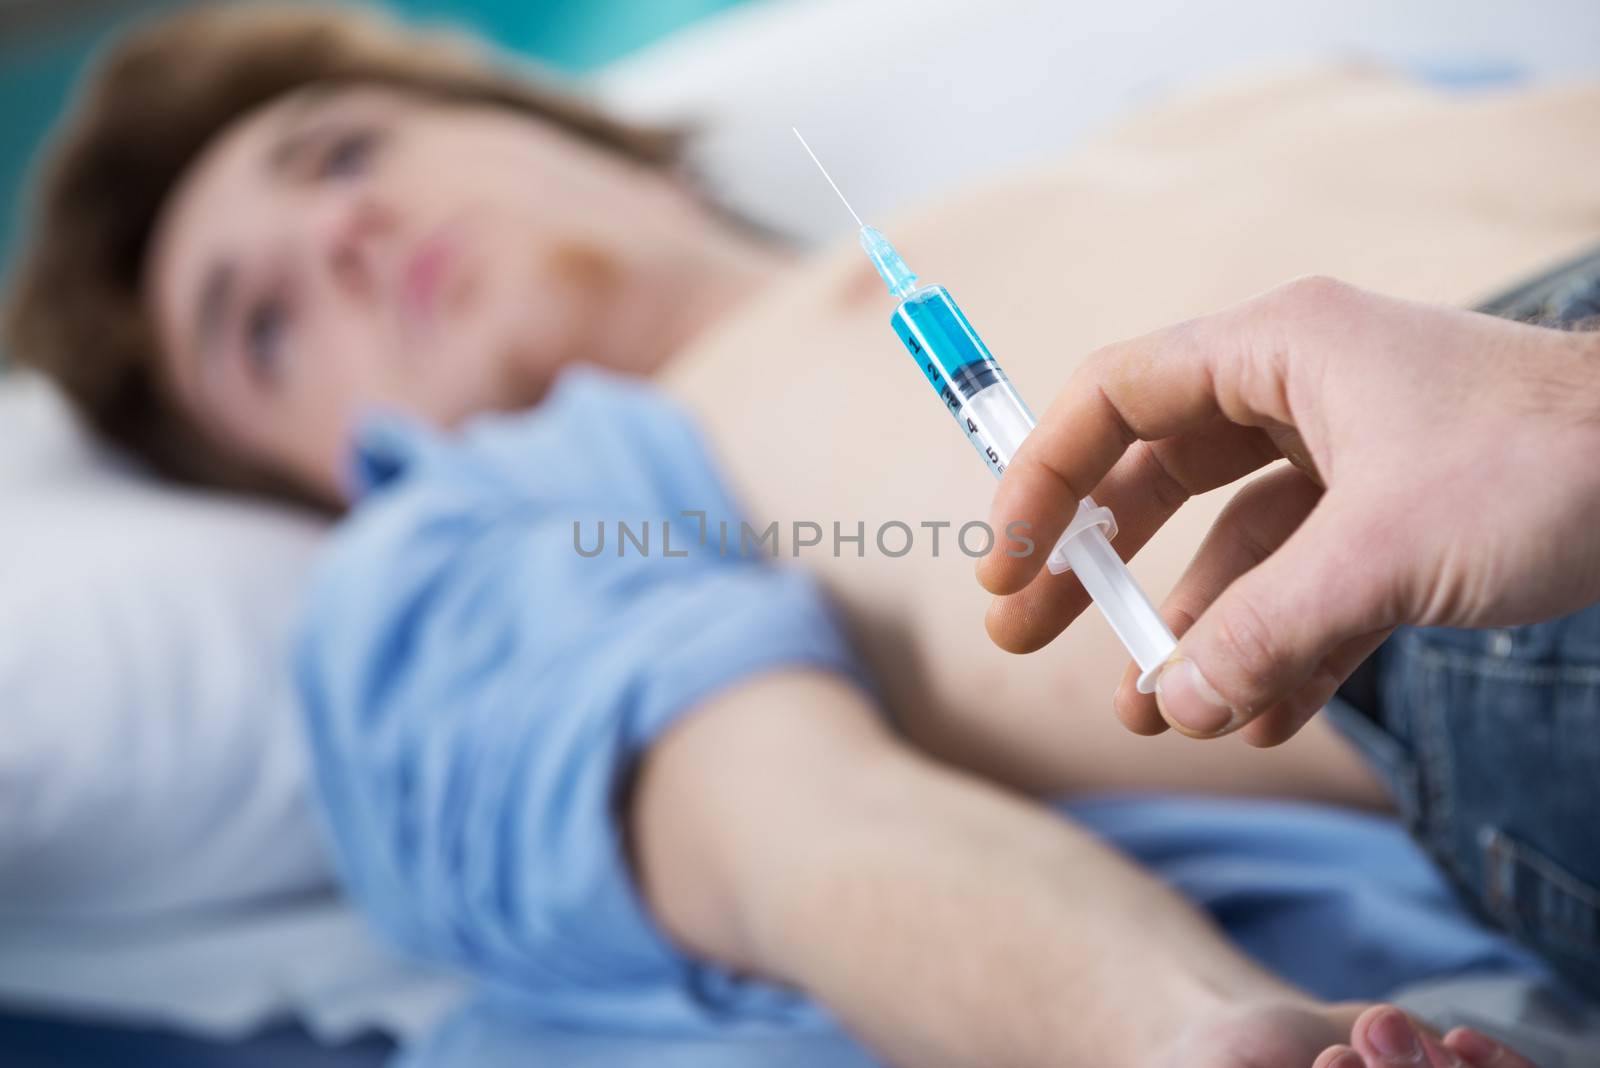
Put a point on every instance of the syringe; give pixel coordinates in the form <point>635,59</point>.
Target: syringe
<point>995,419</point>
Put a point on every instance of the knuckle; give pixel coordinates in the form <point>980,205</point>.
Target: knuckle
<point>1314,295</point>
<point>1166,489</point>
<point>1095,380</point>
<point>1238,525</point>
<point>1179,618</point>
<point>1049,487</point>
<point>1115,418</point>
<point>1099,359</point>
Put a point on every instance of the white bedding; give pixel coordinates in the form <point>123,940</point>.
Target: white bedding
<point>149,758</point>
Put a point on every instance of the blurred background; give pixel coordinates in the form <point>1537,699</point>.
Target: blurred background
<point>943,90</point>
<point>44,44</point>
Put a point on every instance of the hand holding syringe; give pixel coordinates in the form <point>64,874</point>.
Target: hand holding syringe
<point>995,419</point>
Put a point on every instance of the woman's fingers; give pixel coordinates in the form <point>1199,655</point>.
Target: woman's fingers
<point>1143,490</point>
<point>1387,1038</point>
<point>1339,1057</point>
<point>1481,1051</point>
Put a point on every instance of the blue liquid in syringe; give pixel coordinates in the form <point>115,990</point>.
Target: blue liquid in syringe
<point>961,370</point>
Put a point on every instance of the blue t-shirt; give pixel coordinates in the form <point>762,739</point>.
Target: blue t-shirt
<point>478,690</point>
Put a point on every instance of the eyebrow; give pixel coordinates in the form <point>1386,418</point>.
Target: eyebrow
<point>295,131</point>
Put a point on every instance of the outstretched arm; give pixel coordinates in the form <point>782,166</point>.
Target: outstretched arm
<point>781,830</point>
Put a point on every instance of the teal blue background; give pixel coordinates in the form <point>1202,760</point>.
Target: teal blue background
<point>38,68</point>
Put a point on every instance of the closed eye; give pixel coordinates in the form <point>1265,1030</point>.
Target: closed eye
<point>265,328</point>
<point>349,154</point>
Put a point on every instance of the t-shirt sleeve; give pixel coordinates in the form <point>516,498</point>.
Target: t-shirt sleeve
<point>479,684</point>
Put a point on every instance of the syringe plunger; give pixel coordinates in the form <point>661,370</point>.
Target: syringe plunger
<point>1086,551</point>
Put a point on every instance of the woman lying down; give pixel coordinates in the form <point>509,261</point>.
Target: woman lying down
<point>707,794</point>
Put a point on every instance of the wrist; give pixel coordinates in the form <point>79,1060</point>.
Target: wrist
<point>1586,365</point>
<point>1589,367</point>
<point>1570,363</point>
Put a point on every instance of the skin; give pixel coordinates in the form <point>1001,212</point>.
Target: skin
<point>554,239</point>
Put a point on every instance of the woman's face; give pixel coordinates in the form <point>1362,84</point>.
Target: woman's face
<point>361,247</point>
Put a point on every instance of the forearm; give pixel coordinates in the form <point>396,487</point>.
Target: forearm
<point>783,831</point>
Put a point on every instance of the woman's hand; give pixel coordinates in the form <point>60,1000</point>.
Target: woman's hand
<point>1444,469</point>
<point>1383,1036</point>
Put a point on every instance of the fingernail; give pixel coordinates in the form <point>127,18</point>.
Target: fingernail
<point>1392,1036</point>
<point>1189,702</point>
<point>1475,1047</point>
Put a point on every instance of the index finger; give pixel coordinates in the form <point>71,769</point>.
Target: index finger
<point>1149,387</point>
<point>1164,384</point>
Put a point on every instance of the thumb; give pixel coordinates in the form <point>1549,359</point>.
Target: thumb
<point>1276,624</point>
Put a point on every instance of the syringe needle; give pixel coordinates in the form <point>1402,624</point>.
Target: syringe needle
<point>828,176</point>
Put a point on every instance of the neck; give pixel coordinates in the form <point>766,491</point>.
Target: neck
<point>688,286</point>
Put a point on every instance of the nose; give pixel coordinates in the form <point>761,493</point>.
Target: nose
<point>352,234</point>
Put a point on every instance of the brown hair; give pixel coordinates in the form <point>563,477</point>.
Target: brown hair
<point>76,309</point>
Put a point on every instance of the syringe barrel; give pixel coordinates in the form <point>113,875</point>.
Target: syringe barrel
<point>995,419</point>
<point>960,369</point>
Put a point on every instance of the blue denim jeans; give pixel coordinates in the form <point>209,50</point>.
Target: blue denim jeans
<point>1490,739</point>
<point>1490,743</point>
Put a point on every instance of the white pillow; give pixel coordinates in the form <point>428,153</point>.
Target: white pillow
<point>150,749</point>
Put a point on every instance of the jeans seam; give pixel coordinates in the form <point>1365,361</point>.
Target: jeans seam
<point>1435,769</point>
<point>1436,685</point>
<point>1504,854</point>
<point>1505,668</point>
